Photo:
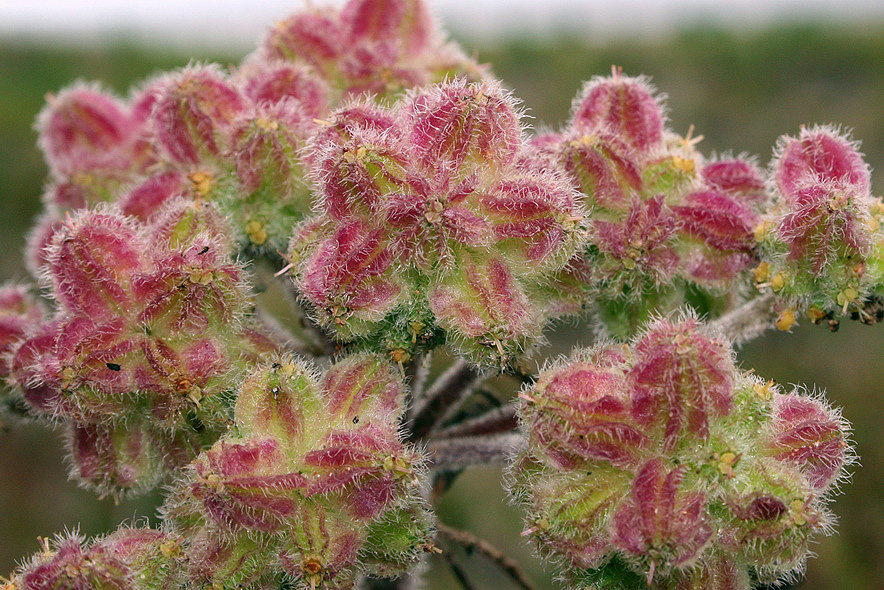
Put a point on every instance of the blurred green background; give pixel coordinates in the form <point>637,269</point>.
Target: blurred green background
<point>740,90</point>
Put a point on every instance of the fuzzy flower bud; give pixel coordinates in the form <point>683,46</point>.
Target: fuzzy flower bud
<point>820,155</point>
<point>82,128</point>
<point>407,21</point>
<point>18,312</point>
<point>624,106</point>
<point>272,82</point>
<point>193,110</point>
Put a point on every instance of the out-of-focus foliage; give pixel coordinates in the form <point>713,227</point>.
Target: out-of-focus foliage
<point>742,90</point>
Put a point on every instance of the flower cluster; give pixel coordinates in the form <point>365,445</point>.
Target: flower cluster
<point>129,558</point>
<point>236,137</point>
<point>311,477</point>
<point>150,335</point>
<point>428,221</point>
<point>822,241</point>
<point>659,462</point>
<point>391,179</point>
<point>664,220</point>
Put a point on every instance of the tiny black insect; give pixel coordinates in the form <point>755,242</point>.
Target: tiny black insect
<point>203,251</point>
<point>112,366</point>
<point>355,419</point>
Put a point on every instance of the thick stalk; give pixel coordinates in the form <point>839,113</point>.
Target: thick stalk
<point>748,321</point>
<point>494,421</point>
<point>471,542</point>
<point>447,392</point>
<point>459,453</point>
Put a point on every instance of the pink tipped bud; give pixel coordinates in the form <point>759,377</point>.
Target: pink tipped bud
<point>365,389</point>
<point>190,289</point>
<point>822,223</point>
<point>214,558</point>
<point>275,81</point>
<point>571,512</point>
<point>623,106</point>
<point>581,412</point>
<point>360,162</point>
<point>276,400</point>
<point>312,37</point>
<point>408,22</point>
<point>372,67</point>
<point>181,222</point>
<point>92,259</point>
<point>110,459</point>
<point>536,219</point>
<point>455,122</point>
<point>484,308</point>
<point>737,177</point>
<point>33,369</point>
<point>19,314</point>
<point>681,379</point>
<point>808,434</point>
<point>193,112</point>
<point>820,155</point>
<point>266,144</point>
<point>661,517</point>
<point>643,240</point>
<point>69,563</point>
<point>603,168</point>
<point>246,485</point>
<point>347,275</point>
<point>145,199</point>
<point>718,219</point>
<point>82,128</point>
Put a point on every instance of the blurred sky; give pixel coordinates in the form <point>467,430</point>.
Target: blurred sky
<point>232,23</point>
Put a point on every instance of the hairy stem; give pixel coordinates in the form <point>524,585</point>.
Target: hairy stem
<point>471,542</point>
<point>417,371</point>
<point>748,321</point>
<point>447,392</point>
<point>458,453</point>
<point>494,421</point>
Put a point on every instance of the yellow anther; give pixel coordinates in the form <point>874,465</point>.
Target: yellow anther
<point>846,297</point>
<point>201,277</point>
<point>762,272</point>
<point>765,390</point>
<point>171,548</point>
<point>266,124</point>
<point>760,231</point>
<point>399,356</point>
<point>256,232</point>
<point>684,164</point>
<point>786,320</point>
<point>202,182</point>
<point>815,314</point>
<point>726,463</point>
